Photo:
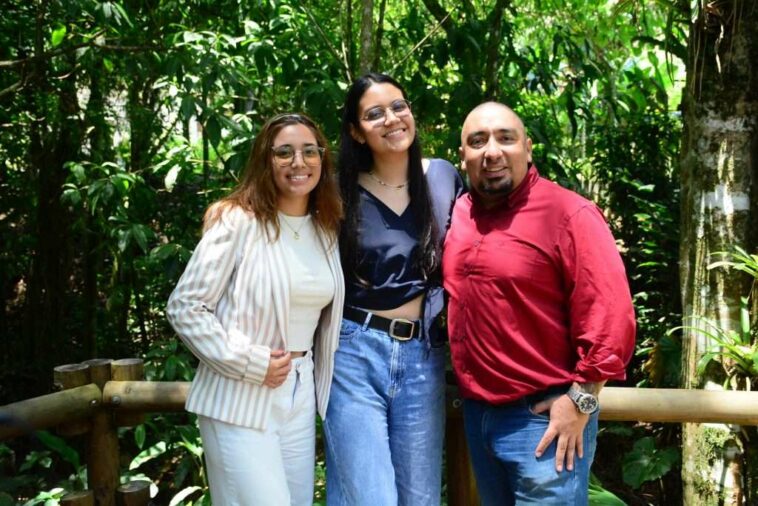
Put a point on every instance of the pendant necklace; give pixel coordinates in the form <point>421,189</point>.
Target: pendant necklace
<point>393,186</point>
<point>295,231</point>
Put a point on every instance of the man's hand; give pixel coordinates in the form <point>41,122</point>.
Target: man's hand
<point>567,424</point>
<point>278,368</point>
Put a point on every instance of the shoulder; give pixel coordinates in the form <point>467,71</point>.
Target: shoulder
<point>574,209</point>
<point>438,166</point>
<point>566,201</point>
<point>442,176</point>
<point>228,215</point>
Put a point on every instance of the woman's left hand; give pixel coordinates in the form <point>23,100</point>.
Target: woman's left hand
<point>278,368</point>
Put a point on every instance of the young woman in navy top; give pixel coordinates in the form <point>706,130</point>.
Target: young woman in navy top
<point>385,419</point>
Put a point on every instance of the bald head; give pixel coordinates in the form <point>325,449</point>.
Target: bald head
<point>495,151</point>
<point>490,109</point>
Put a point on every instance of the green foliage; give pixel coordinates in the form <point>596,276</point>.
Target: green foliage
<point>59,446</point>
<point>734,350</point>
<point>646,462</point>
<point>167,451</point>
<point>47,498</point>
<point>30,482</point>
<point>598,496</point>
<point>739,260</point>
<point>121,121</point>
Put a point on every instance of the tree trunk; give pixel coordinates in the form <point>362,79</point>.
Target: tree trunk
<point>55,138</point>
<point>347,37</point>
<point>101,150</point>
<point>491,84</point>
<point>377,60</point>
<point>719,211</point>
<point>367,30</point>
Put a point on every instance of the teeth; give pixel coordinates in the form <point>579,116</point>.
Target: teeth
<point>299,178</point>
<point>391,132</point>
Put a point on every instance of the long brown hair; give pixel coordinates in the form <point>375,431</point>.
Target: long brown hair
<point>256,191</point>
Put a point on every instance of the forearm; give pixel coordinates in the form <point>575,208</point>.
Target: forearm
<point>589,387</point>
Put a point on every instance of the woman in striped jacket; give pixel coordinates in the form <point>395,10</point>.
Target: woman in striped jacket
<point>260,304</point>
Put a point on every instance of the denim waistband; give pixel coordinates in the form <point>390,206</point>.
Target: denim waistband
<point>401,329</point>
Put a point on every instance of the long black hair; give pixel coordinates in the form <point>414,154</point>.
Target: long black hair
<point>354,158</point>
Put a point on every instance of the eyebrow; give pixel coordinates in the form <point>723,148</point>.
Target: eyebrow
<point>305,145</point>
<point>471,136</point>
<point>385,106</point>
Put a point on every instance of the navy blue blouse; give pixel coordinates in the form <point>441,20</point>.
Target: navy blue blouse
<point>387,243</point>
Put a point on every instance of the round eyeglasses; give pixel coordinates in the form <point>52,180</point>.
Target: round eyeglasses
<point>376,114</point>
<point>284,155</point>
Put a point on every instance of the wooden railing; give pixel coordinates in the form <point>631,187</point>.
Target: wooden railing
<point>100,395</point>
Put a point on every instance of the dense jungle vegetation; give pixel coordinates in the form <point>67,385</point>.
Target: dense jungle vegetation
<point>120,121</point>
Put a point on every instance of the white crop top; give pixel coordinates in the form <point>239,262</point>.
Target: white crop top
<point>311,282</point>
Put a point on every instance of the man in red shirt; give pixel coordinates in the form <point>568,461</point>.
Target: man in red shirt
<point>540,317</point>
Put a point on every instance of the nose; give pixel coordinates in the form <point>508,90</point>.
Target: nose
<point>389,115</point>
<point>297,159</point>
<point>492,149</point>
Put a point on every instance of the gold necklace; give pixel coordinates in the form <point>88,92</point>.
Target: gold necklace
<point>393,186</point>
<point>295,232</point>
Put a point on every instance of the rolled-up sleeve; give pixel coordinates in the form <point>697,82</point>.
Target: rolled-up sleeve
<point>192,305</point>
<point>602,323</point>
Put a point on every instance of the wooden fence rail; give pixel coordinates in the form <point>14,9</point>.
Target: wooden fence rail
<point>112,397</point>
<point>618,403</point>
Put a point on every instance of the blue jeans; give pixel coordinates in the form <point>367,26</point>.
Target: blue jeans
<point>385,421</point>
<point>502,440</point>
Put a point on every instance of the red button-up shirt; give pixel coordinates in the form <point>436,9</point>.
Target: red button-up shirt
<point>538,294</point>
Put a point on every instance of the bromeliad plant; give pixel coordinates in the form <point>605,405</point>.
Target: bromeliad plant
<point>735,350</point>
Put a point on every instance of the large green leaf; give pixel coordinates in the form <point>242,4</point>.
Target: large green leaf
<point>57,36</point>
<point>148,454</point>
<point>646,462</point>
<point>59,446</point>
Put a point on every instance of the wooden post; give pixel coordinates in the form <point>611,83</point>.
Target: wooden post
<point>81,498</point>
<point>461,486</point>
<point>66,377</point>
<point>126,369</point>
<point>70,376</point>
<point>134,493</point>
<point>102,443</point>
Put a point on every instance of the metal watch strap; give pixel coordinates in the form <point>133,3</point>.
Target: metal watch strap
<point>585,402</point>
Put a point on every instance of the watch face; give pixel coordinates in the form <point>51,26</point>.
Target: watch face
<point>587,403</point>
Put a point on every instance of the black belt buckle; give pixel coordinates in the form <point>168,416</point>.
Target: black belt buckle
<point>393,331</point>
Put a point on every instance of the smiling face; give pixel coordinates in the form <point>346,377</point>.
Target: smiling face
<point>296,179</point>
<point>394,131</point>
<point>495,152</point>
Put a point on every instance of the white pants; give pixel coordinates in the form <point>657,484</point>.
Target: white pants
<point>271,467</point>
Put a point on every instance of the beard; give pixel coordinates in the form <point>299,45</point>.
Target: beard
<point>495,187</point>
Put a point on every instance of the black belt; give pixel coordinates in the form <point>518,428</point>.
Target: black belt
<point>397,328</point>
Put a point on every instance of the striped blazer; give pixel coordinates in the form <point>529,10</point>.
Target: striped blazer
<point>231,308</point>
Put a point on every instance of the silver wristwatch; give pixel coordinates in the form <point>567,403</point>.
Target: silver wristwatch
<point>585,403</point>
